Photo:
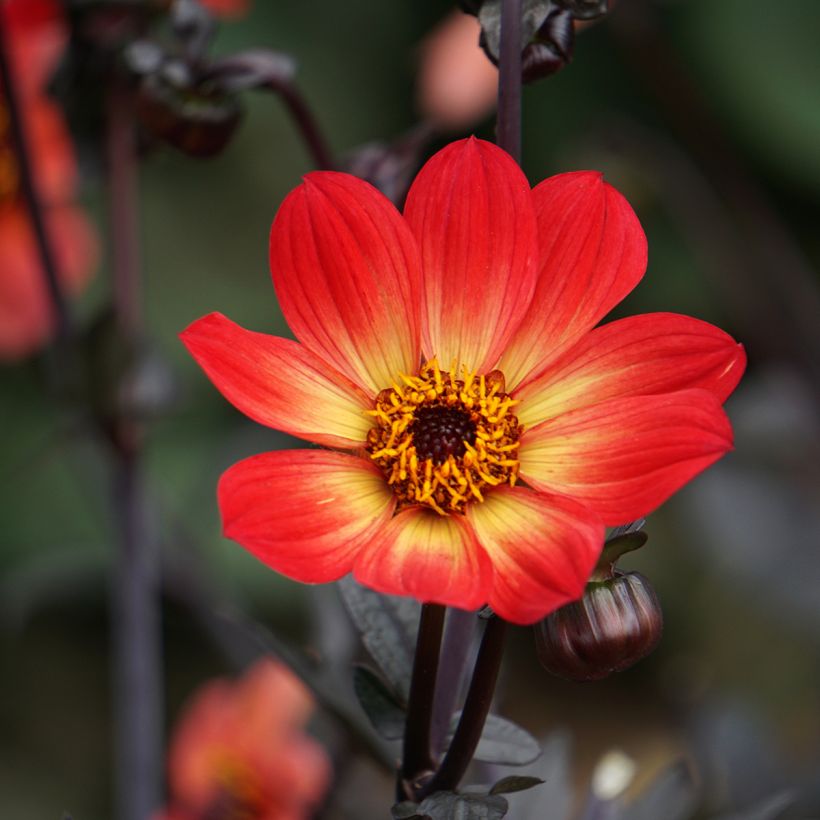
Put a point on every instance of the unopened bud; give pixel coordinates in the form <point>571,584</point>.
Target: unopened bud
<point>197,122</point>
<point>617,623</point>
<point>551,48</point>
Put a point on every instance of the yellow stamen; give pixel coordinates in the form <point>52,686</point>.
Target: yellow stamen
<point>448,473</point>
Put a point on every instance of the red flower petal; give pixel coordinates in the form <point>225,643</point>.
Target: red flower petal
<point>54,166</point>
<point>623,458</point>
<point>642,355</point>
<point>592,254</point>
<point>430,557</point>
<point>346,271</point>
<point>37,36</point>
<point>543,549</point>
<point>279,383</point>
<point>304,513</point>
<point>26,314</point>
<point>471,211</point>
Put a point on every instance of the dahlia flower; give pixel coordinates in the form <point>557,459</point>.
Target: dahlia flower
<point>479,431</point>
<point>239,750</point>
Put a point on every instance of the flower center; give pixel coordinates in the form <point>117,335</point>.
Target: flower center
<point>238,795</point>
<point>440,431</point>
<point>441,440</point>
<point>9,173</point>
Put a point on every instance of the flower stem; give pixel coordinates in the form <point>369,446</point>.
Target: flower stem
<point>458,640</point>
<point>476,708</point>
<point>508,125</point>
<point>306,123</point>
<point>417,759</point>
<point>29,188</point>
<point>122,194</point>
<point>135,606</point>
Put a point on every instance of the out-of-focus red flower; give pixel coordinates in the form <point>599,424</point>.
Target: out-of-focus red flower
<point>227,8</point>
<point>490,430</point>
<point>239,751</point>
<point>35,36</point>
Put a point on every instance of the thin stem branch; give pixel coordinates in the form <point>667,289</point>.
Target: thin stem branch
<point>476,709</point>
<point>508,126</point>
<point>122,195</point>
<point>263,69</point>
<point>135,593</point>
<point>417,759</point>
<point>29,188</point>
<point>306,123</point>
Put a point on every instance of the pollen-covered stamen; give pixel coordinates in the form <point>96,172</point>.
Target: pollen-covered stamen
<point>441,441</point>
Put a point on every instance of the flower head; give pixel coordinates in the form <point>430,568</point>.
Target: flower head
<point>36,35</point>
<point>483,430</point>
<point>239,752</point>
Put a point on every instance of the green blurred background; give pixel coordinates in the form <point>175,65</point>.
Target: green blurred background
<point>707,116</point>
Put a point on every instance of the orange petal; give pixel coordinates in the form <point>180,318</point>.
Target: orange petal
<point>471,211</point>
<point>641,355</point>
<point>346,272</point>
<point>543,549</point>
<point>279,383</point>
<point>304,513</point>
<point>55,166</point>
<point>623,458</point>
<point>26,314</point>
<point>427,556</point>
<point>592,253</point>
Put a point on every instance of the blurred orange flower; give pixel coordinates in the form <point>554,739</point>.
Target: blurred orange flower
<point>35,35</point>
<point>239,751</point>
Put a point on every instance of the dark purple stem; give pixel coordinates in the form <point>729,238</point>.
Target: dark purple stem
<point>29,188</point>
<point>122,200</point>
<point>455,649</point>
<point>135,591</point>
<point>417,758</point>
<point>136,650</point>
<point>476,709</point>
<point>508,125</point>
<point>306,123</point>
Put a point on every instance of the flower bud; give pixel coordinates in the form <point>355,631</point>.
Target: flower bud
<point>616,623</point>
<point>551,48</point>
<point>196,122</point>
